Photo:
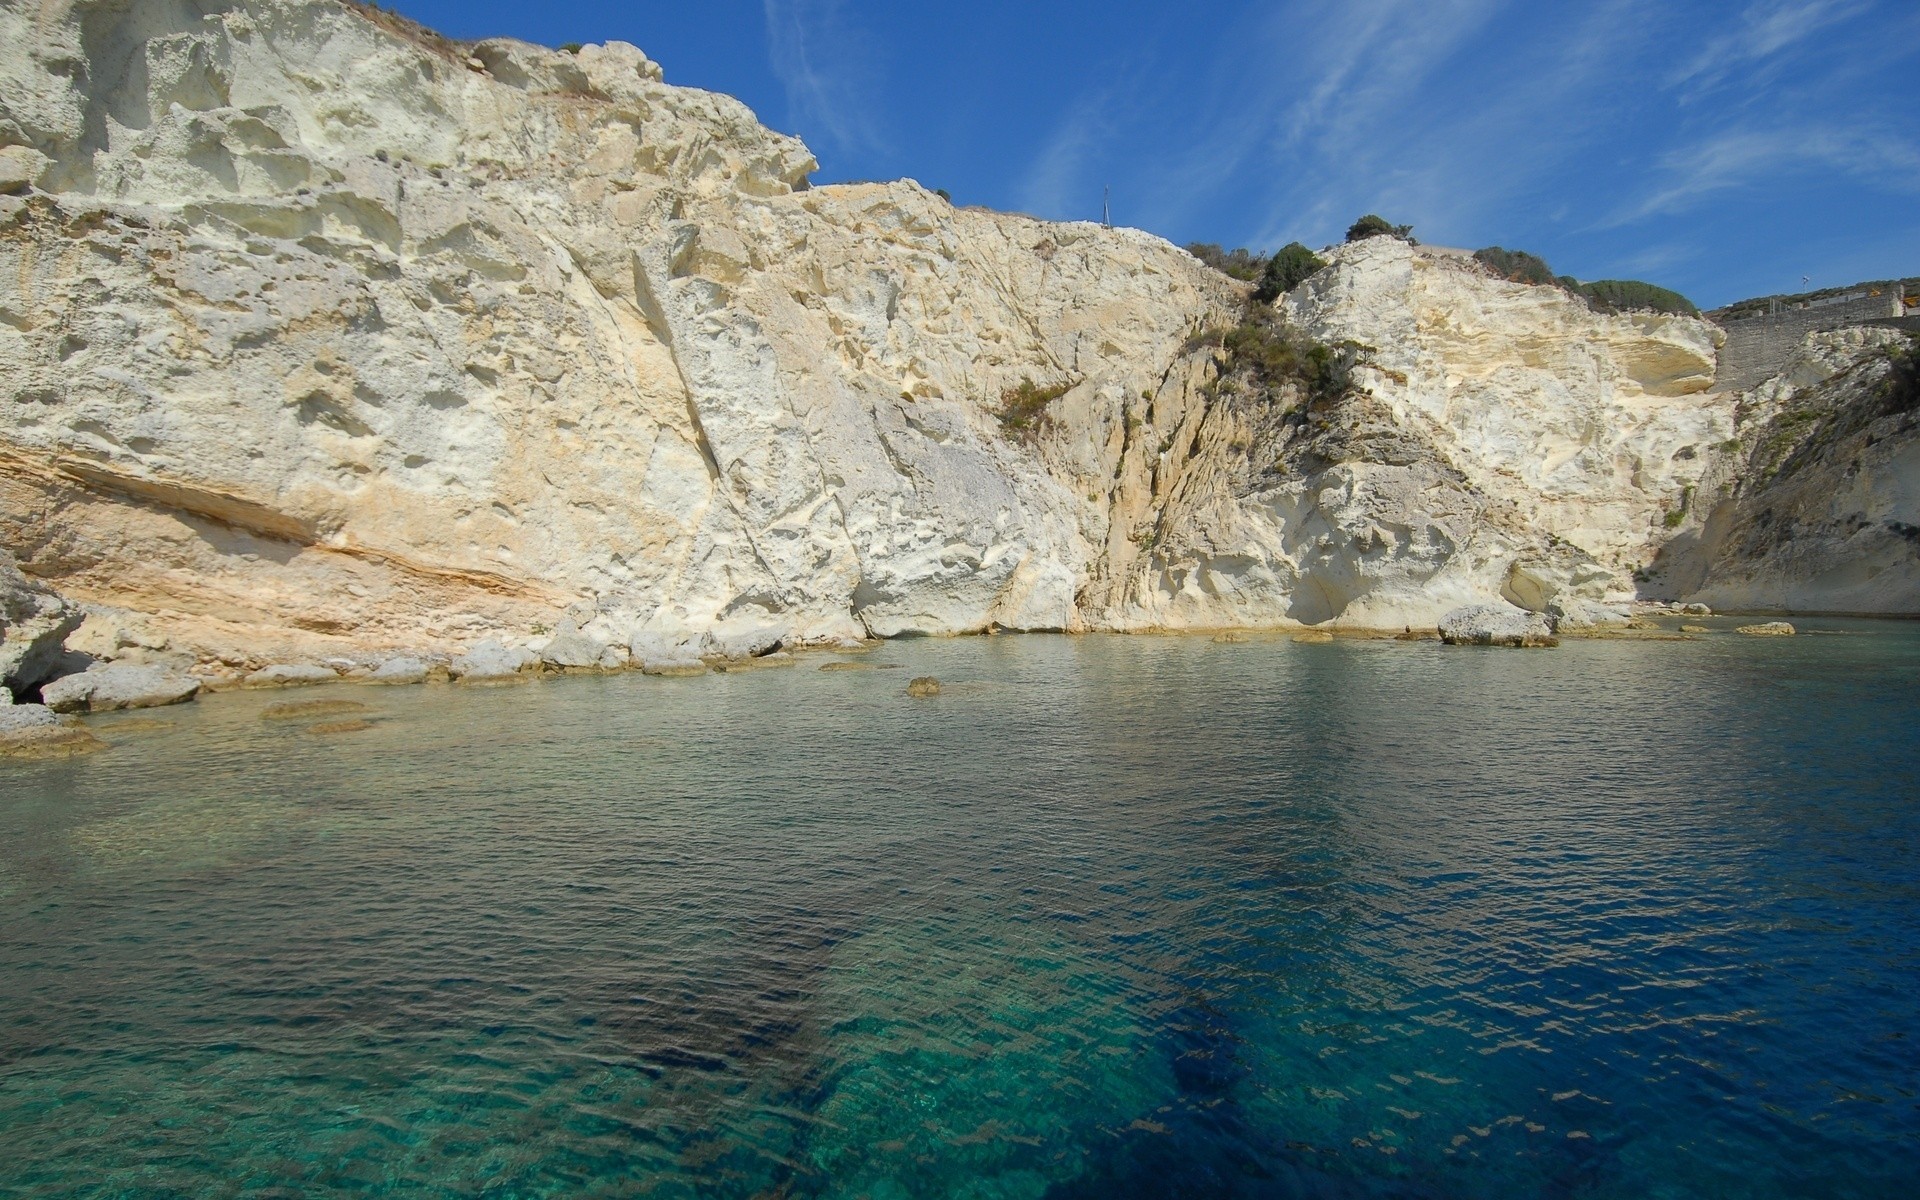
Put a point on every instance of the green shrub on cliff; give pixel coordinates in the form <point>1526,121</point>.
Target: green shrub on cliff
<point>1264,354</point>
<point>1515,266</point>
<point>1240,262</point>
<point>1287,269</point>
<point>1628,295</point>
<point>1371,226</point>
<point>1023,409</point>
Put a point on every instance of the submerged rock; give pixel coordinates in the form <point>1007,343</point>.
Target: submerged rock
<point>1307,637</point>
<point>291,675</point>
<point>923,685</point>
<point>109,686</point>
<point>326,727</point>
<point>300,709</point>
<point>1495,625</point>
<point>1229,639</point>
<point>1695,629</point>
<point>1767,629</point>
<point>33,731</point>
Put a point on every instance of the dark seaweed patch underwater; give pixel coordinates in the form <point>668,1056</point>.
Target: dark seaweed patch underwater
<point>1111,917</point>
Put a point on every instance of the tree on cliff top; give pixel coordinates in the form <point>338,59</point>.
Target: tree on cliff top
<point>1372,225</point>
<point>1289,266</point>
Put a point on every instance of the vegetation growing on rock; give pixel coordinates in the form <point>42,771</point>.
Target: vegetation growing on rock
<point>1240,263</point>
<point>1515,266</point>
<point>1292,265</point>
<point>1023,408</point>
<point>1629,295</point>
<point>1373,225</point>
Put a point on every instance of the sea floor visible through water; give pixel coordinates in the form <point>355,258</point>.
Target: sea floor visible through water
<point>1109,917</point>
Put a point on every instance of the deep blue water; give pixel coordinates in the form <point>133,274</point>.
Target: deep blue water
<point>1113,917</point>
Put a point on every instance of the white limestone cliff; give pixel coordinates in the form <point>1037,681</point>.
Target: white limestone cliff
<point>325,336</point>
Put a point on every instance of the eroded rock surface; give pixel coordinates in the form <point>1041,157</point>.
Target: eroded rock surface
<point>329,339</point>
<point>107,687</point>
<point>34,624</point>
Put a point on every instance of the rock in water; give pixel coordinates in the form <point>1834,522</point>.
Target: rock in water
<point>17,718</point>
<point>34,624</point>
<point>1767,629</point>
<point>326,727</point>
<point>109,686</point>
<point>1308,637</point>
<point>1495,625</point>
<point>572,650</point>
<point>923,685</point>
<point>491,662</point>
<point>291,675</point>
<point>399,671</point>
<point>33,731</point>
<point>301,709</point>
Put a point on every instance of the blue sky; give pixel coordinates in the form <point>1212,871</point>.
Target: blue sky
<point>1724,149</point>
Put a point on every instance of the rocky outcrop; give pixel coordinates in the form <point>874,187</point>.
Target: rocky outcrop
<point>1495,625</point>
<point>108,687</point>
<point>491,662</point>
<point>399,671</point>
<point>1819,508</point>
<point>32,731</point>
<point>333,340</point>
<point>34,624</point>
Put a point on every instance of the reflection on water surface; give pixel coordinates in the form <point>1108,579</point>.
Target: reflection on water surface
<point>1110,917</point>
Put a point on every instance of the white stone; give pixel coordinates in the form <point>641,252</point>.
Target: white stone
<point>490,661</point>
<point>399,671</point>
<point>16,718</point>
<point>110,686</point>
<point>1498,624</point>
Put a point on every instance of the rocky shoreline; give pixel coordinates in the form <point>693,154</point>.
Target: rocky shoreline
<point>50,686</point>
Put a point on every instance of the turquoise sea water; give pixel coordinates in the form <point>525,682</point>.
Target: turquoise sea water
<point>1111,917</point>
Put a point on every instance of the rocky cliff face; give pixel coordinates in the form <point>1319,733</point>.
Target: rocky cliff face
<point>1816,507</point>
<point>326,336</point>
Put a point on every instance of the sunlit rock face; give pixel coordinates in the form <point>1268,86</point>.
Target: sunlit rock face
<point>1507,442</point>
<point>327,336</point>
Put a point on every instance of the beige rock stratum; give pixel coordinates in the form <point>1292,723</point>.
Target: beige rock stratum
<point>322,336</point>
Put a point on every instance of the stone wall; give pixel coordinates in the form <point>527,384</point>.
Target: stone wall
<point>1757,348</point>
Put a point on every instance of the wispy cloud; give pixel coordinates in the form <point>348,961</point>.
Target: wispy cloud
<point>826,66</point>
<point>1057,183</point>
<point>1745,157</point>
<point>1764,31</point>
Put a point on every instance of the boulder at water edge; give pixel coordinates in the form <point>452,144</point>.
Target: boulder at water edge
<point>491,662</point>
<point>32,731</point>
<point>109,686</point>
<point>399,671</point>
<point>1495,625</point>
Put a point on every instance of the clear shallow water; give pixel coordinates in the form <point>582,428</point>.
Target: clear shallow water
<point>1112,917</point>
